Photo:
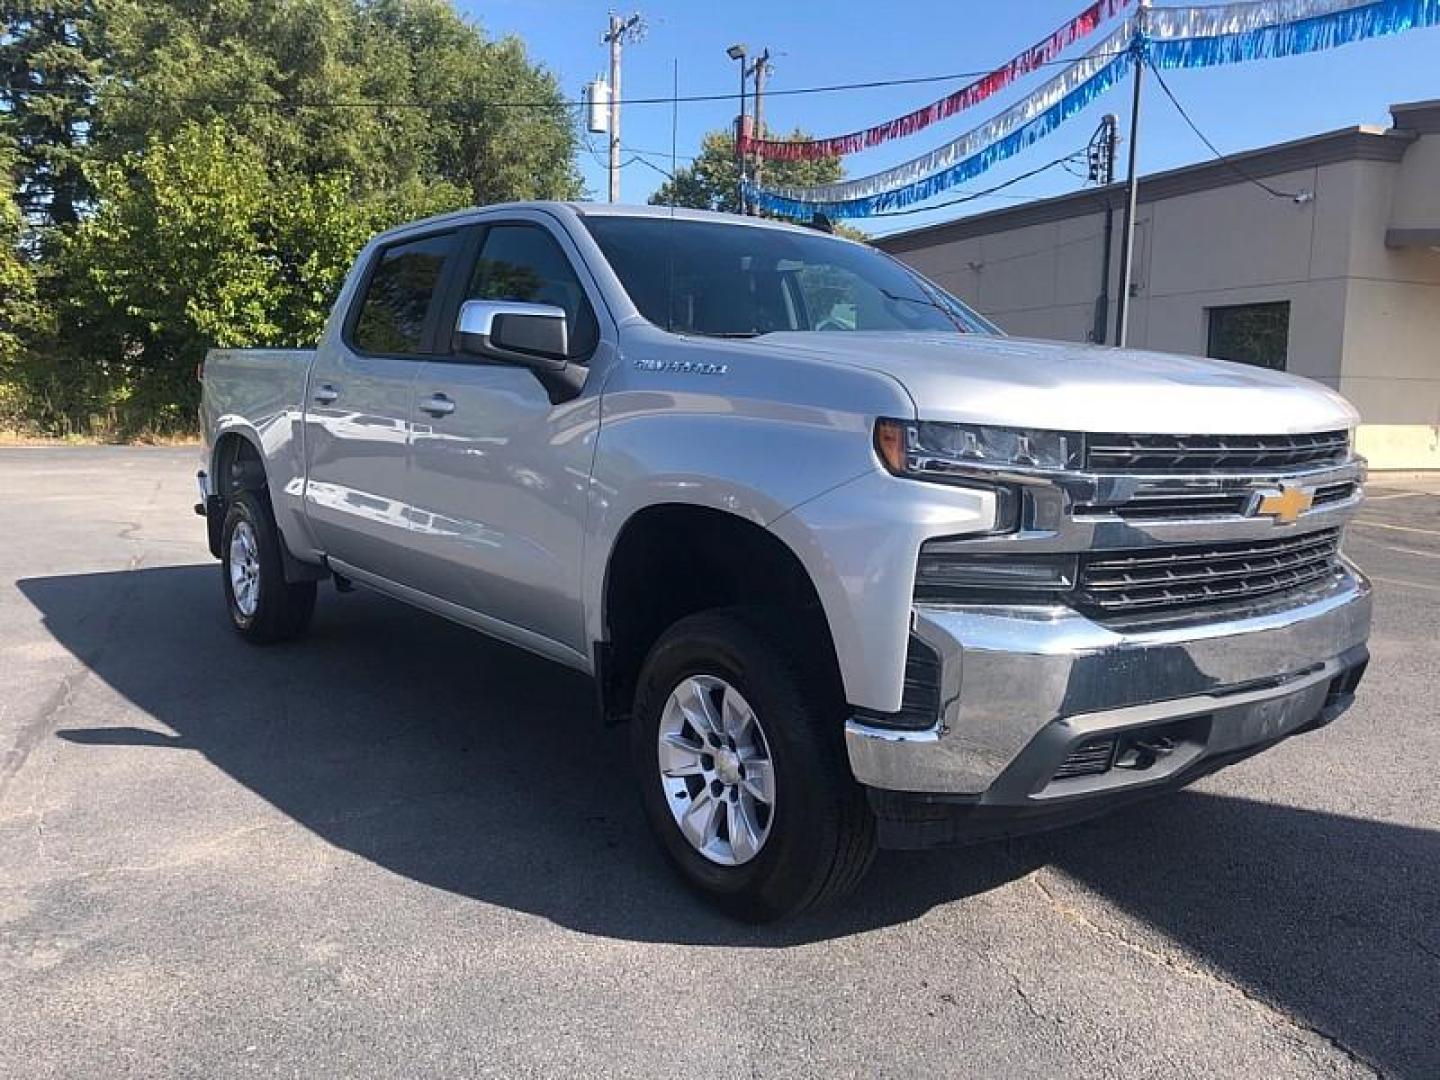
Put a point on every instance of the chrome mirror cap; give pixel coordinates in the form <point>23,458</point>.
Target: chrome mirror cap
<point>534,335</point>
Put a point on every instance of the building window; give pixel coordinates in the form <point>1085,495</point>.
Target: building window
<point>1250,334</point>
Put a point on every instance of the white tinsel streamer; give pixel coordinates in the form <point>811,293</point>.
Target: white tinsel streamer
<point>972,142</point>
<point>1220,19</point>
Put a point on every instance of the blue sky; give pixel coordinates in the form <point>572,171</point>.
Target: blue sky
<point>814,43</point>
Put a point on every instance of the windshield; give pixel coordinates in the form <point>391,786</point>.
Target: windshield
<point>723,280</point>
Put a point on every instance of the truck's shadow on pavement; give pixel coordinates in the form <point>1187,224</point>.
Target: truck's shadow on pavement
<point>478,769</point>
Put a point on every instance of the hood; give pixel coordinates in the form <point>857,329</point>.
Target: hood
<point>1016,382</point>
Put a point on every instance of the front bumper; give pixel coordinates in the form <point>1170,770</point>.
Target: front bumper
<point>1023,689</point>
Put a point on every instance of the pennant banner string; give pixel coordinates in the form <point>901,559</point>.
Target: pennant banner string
<point>1045,52</point>
<point>1188,37</point>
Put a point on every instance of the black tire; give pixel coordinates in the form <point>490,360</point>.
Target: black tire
<point>822,835</point>
<point>283,609</point>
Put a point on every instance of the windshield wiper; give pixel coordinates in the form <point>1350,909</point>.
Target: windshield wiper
<point>930,303</point>
<point>725,333</point>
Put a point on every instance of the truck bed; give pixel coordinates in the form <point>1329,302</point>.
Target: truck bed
<point>260,385</point>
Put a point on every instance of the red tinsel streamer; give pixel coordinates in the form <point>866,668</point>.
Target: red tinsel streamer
<point>1079,27</point>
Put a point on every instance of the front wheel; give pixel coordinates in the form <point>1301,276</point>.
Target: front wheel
<point>738,746</point>
<point>264,607</point>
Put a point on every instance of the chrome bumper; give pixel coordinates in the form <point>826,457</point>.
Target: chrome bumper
<point>1018,679</point>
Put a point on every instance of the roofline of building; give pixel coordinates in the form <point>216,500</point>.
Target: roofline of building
<point>1421,117</point>
<point>1359,143</point>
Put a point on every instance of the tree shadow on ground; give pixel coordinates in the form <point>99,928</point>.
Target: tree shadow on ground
<point>472,767</point>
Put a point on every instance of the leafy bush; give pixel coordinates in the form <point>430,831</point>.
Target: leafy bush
<point>199,175</point>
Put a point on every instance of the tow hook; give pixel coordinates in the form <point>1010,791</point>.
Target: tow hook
<point>1140,754</point>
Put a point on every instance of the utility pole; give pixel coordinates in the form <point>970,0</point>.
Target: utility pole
<point>761,69</point>
<point>1102,151</point>
<point>738,52</point>
<point>1127,250</point>
<point>620,30</point>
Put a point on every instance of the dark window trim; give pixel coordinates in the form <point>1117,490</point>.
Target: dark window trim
<point>469,254</point>
<point>428,332</point>
<point>444,351</point>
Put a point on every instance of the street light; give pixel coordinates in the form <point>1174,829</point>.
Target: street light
<point>738,52</point>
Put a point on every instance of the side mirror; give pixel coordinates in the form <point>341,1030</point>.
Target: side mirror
<point>534,335</point>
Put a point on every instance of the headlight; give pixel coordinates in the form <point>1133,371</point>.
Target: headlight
<point>934,450</point>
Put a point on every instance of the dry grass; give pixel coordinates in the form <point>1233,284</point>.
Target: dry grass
<point>11,437</point>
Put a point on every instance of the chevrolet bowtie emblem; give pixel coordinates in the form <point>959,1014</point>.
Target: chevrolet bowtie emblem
<point>1285,505</point>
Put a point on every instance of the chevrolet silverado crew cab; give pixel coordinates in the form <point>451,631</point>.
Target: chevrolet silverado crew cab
<point>855,568</point>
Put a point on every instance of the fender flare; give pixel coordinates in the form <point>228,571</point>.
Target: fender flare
<point>232,431</point>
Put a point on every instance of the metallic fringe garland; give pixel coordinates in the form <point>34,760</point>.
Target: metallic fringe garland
<point>999,127</point>
<point>959,173</point>
<point>1291,32</point>
<point>1227,34</point>
<point>1082,26</point>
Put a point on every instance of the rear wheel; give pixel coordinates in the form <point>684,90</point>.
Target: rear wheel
<point>264,607</point>
<point>738,746</point>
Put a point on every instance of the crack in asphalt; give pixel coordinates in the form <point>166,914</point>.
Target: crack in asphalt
<point>1275,1017</point>
<point>33,733</point>
<point>1024,996</point>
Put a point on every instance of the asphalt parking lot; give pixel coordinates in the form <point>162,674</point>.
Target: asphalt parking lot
<point>397,849</point>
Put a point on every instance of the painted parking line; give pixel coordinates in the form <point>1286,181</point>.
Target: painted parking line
<point>1397,528</point>
<point>1396,495</point>
<point>1399,550</point>
<point>1403,583</point>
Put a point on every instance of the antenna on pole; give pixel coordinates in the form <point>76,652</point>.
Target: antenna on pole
<point>761,68</point>
<point>619,30</point>
<point>1101,156</point>
<point>674,126</point>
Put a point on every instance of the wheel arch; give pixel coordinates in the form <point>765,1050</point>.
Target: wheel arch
<point>676,559</point>
<point>238,463</point>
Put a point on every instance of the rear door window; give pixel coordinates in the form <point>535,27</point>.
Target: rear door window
<point>400,299</point>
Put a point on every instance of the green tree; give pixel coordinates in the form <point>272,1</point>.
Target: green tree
<point>49,68</point>
<point>229,161</point>
<point>710,181</point>
<point>297,78</point>
<point>17,275</point>
<point>195,243</point>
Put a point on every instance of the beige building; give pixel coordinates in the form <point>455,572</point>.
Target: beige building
<point>1338,280</point>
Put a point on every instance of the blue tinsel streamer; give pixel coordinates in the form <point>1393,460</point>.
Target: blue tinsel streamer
<point>961,171</point>
<point>1289,39</point>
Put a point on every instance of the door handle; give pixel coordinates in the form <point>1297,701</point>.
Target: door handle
<point>438,405</point>
<point>326,394</point>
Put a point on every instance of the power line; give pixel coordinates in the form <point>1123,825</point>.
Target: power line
<point>358,103</point>
<point>655,153</point>
<point>1292,196</point>
<point>635,158</point>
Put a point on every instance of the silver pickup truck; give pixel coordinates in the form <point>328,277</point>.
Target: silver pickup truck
<point>855,568</point>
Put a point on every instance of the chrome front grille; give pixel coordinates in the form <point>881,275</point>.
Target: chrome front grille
<point>1214,453</point>
<point>1161,579</point>
<point>1164,501</point>
<point>1164,505</point>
